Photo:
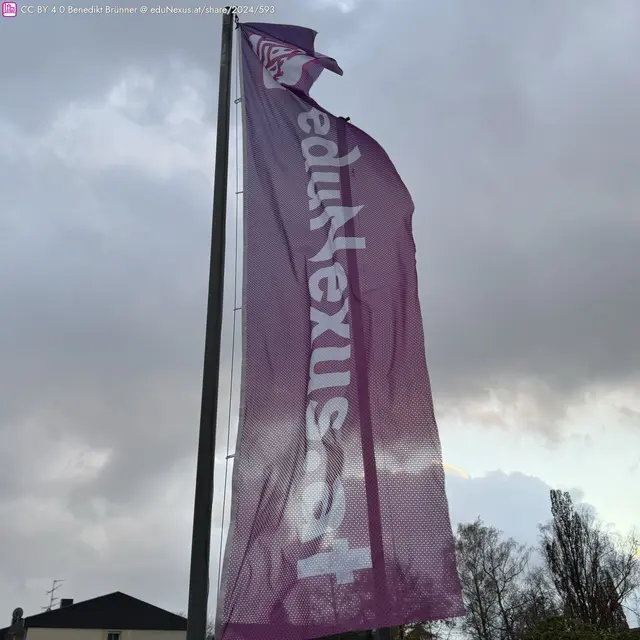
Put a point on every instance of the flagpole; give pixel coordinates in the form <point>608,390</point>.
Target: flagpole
<point>203,505</point>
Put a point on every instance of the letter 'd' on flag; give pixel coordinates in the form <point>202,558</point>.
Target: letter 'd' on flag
<point>339,516</point>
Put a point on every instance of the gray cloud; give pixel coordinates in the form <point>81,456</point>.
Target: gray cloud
<point>77,57</point>
<point>514,130</point>
<point>104,259</point>
<point>515,503</point>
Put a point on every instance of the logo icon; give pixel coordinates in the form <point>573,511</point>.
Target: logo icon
<point>9,9</point>
<point>282,65</point>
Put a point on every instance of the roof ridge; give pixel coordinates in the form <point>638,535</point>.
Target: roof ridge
<point>116,610</point>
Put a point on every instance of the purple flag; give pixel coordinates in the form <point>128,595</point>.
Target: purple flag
<point>339,516</point>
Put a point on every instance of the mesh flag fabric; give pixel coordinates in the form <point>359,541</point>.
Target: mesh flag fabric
<point>339,515</point>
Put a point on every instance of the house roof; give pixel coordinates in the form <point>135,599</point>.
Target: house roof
<point>114,611</point>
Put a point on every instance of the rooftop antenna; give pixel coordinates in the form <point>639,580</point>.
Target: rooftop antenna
<point>52,599</point>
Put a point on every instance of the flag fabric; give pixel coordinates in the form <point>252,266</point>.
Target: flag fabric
<point>339,517</point>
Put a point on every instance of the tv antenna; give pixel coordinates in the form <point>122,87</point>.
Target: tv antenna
<point>52,599</point>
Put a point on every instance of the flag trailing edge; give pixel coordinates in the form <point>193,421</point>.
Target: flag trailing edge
<point>335,390</point>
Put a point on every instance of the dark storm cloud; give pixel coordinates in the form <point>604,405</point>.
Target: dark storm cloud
<point>521,158</point>
<point>515,131</point>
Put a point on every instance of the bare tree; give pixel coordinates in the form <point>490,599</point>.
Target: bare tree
<point>593,573</point>
<point>435,630</point>
<point>539,600</point>
<point>492,572</point>
<point>440,629</point>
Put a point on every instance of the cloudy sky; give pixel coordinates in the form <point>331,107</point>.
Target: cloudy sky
<point>514,125</point>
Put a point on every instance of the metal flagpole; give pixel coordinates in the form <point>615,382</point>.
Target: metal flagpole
<point>202,510</point>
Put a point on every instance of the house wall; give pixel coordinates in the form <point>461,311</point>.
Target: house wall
<point>101,634</point>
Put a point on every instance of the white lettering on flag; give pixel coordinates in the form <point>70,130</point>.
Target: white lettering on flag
<point>325,322</point>
<point>339,216</point>
<point>316,198</point>
<point>336,282</point>
<point>324,507</point>
<point>341,562</point>
<point>332,379</point>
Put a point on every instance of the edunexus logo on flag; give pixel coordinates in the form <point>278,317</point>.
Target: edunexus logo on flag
<point>9,9</point>
<point>283,65</point>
